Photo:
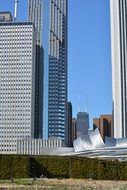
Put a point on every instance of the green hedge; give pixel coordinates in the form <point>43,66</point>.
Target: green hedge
<point>50,167</point>
<point>5,167</point>
<point>14,166</point>
<point>20,166</point>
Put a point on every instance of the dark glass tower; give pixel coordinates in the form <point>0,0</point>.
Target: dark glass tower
<point>82,123</point>
<point>35,15</point>
<point>54,40</point>
<point>57,112</point>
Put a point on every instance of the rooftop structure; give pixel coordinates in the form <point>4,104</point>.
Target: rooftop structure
<point>5,17</point>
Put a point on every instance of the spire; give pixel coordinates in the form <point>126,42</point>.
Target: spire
<point>86,108</point>
<point>16,10</point>
<point>79,103</point>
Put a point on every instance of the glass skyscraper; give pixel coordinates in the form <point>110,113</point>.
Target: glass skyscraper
<point>53,36</point>
<point>118,15</point>
<point>82,123</point>
<point>35,15</point>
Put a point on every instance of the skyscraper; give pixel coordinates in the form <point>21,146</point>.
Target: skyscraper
<point>35,16</point>
<point>82,123</point>
<point>54,41</point>
<point>118,15</point>
<point>68,131</point>
<point>104,124</point>
<point>74,129</point>
<point>17,83</point>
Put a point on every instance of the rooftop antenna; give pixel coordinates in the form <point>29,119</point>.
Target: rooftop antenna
<point>86,109</point>
<point>78,108</point>
<point>16,10</point>
<point>79,103</point>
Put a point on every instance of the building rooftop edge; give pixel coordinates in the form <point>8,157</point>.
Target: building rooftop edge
<point>16,23</point>
<point>5,12</point>
<point>103,115</point>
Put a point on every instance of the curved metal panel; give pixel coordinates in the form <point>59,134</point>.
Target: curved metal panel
<point>110,141</point>
<point>83,143</point>
<point>121,142</point>
<point>78,145</point>
<point>96,139</point>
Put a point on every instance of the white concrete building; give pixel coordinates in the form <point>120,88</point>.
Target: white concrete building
<point>118,15</point>
<point>17,83</point>
<point>38,146</point>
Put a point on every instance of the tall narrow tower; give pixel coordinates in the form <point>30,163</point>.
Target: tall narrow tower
<point>54,41</point>
<point>118,15</point>
<point>35,16</point>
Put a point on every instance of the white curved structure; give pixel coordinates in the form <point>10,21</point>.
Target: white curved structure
<point>82,143</point>
<point>89,142</point>
<point>96,139</point>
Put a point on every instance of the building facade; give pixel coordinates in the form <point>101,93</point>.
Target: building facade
<point>54,41</point>
<point>35,16</point>
<point>38,146</point>
<point>57,103</point>
<point>118,17</point>
<point>104,124</point>
<point>17,83</point>
<point>74,129</point>
<point>82,123</point>
<point>68,131</point>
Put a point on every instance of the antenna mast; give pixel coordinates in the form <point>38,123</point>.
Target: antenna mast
<point>79,103</point>
<point>16,10</point>
<point>86,104</point>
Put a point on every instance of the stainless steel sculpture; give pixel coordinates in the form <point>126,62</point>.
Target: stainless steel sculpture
<point>82,143</point>
<point>92,146</point>
<point>96,139</point>
<point>110,141</point>
<point>121,142</point>
<point>88,142</point>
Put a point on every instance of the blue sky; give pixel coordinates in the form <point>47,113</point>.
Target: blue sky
<point>89,56</point>
<point>89,59</point>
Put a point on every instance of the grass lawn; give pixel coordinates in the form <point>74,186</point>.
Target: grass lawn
<point>62,184</point>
